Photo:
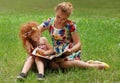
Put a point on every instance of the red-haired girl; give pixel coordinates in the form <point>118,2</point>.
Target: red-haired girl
<point>29,33</point>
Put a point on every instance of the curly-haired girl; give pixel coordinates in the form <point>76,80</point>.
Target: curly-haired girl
<point>29,33</point>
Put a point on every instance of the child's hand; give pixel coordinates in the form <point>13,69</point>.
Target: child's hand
<point>67,50</point>
<point>41,51</point>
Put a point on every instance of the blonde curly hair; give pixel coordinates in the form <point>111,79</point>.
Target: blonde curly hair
<point>65,7</point>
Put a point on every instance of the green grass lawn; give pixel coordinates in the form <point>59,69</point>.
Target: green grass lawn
<point>98,23</point>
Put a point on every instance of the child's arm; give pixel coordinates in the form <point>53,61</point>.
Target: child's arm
<point>77,43</point>
<point>28,47</point>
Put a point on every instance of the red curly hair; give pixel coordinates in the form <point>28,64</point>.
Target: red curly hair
<point>26,31</point>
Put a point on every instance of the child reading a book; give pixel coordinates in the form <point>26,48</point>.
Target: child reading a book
<point>29,33</point>
<point>65,38</point>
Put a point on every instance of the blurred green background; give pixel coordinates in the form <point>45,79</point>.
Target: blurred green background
<point>82,7</point>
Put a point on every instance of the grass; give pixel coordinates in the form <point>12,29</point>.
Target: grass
<point>98,25</point>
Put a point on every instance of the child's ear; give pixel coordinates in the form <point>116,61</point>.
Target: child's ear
<point>26,34</point>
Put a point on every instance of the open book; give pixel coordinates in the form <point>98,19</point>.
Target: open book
<point>50,57</point>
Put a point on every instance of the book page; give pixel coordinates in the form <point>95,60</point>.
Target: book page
<point>50,57</point>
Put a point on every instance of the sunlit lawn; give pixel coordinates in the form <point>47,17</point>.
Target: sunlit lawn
<point>99,30</point>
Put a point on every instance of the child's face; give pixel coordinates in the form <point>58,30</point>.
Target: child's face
<point>35,36</point>
<point>61,17</point>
